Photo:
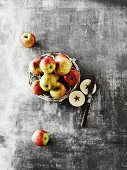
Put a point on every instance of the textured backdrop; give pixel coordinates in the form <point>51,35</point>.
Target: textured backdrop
<point>95,33</point>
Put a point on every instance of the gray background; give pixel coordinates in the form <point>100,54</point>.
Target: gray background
<point>95,33</point>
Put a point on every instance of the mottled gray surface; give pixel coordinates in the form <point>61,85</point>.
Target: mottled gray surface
<point>95,33</point>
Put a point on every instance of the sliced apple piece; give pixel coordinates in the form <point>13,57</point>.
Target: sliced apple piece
<point>76,98</point>
<point>84,86</point>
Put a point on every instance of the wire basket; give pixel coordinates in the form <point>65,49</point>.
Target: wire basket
<point>47,96</point>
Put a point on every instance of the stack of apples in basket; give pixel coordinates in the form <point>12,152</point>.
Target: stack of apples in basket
<point>54,75</point>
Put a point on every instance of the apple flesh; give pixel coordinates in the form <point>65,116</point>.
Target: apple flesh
<point>28,40</point>
<point>76,98</point>
<point>48,82</point>
<point>84,86</point>
<point>36,88</point>
<point>47,65</point>
<point>34,66</point>
<point>63,64</point>
<point>59,91</point>
<point>40,138</point>
<point>72,78</point>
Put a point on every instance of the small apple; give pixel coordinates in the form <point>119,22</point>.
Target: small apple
<point>63,64</point>
<point>34,66</point>
<point>76,98</point>
<point>48,82</point>
<point>36,88</point>
<point>85,85</point>
<point>59,91</point>
<point>72,78</point>
<point>47,64</point>
<point>40,137</point>
<point>28,40</point>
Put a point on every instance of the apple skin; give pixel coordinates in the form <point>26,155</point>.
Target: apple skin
<point>28,40</point>
<point>47,64</point>
<point>36,88</point>
<point>59,91</point>
<point>63,64</point>
<point>72,78</point>
<point>34,67</point>
<point>48,82</point>
<point>40,137</point>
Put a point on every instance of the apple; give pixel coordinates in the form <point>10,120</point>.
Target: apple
<point>72,78</point>
<point>76,98</point>
<point>59,91</point>
<point>34,66</point>
<point>36,88</point>
<point>40,138</point>
<point>28,40</point>
<point>48,82</point>
<point>47,64</point>
<point>85,85</point>
<point>63,64</point>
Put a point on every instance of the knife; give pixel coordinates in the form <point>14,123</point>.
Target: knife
<point>85,108</point>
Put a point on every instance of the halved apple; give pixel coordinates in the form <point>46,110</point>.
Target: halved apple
<point>76,98</point>
<point>84,86</point>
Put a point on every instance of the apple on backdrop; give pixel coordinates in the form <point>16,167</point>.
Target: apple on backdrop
<point>28,40</point>
<point>63,64</point>
<point>34,66</point>
<point>72,78</point>
<point>40,138</point>
<point>76,98</point>
<point>47,64</point>
<point>59,91</point>
<point>48,81</point>
<point>36,88</point>
<point>84,86</point>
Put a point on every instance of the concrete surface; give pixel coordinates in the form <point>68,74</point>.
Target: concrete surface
<point>95,33</point>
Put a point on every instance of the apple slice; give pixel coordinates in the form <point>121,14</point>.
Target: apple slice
<point>76,98</point>
<point>84,86</point>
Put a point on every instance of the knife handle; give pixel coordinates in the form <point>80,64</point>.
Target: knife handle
<point>85,114</point>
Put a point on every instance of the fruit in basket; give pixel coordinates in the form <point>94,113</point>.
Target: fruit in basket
<point>85,85</point>
<point>63,64</point>
<point>48,82</point>
<point>72,78</point>
<point>59,91</point>
<point>76,98</point>
<point>36,89</point>
<point>34,66</point>
<point>40,138</point>
<point>28,40</point>
<point>47,64</point>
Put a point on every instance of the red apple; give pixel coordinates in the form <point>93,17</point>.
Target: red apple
<point>72,78</point>
<point>47,64</point>
<point>34,66</point>
<point>40,137</point>
<point>59,91</point>
<point>63,64</point>
<point>36,88</point>
<point>28,40</point>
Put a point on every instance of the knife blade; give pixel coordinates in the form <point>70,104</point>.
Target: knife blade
<point>85,108</point>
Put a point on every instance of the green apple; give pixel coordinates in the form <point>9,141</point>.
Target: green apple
<point>59,91</point>
<point>48,82</point>
<point>63,64</point>
<point>28,40</point>
<point>47,64</point>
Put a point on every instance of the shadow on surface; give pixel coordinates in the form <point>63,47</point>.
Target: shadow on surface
<point>113,2</point>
